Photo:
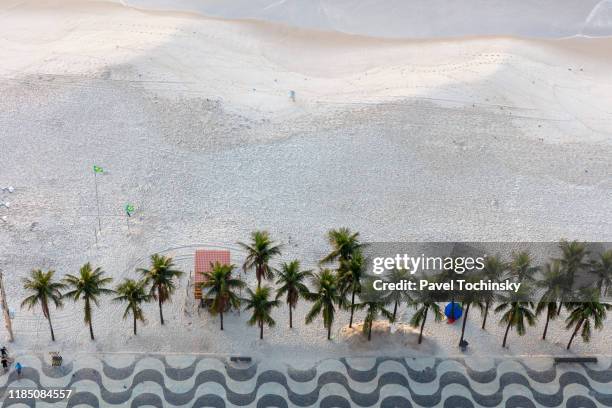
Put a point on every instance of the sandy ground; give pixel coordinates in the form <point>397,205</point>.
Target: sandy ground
<point>465,139</point>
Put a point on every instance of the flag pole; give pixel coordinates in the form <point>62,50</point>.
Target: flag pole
<point>97,200</point>
<point>129,209</point>
<point>96,170</point>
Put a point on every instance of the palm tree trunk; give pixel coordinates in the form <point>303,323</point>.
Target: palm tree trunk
<point>51,327</point>
<point>546,324</point>
<point>352,307</point>
<point>486,313</point>
<point>47,314</point>
<point>290,316</point>
<point>221,316</point>
<point>161,313</point>
<point>261,330</point>
<point>395,309</point>
<point>506,334</point>
<point>422,326</point>
<point>329,332</point>
<point>258,273</point>
<point>559,310</point>
<point>135,333</point>
<point>574,334</point>
<point>465,317</point>
<point>370,331</point>
<point>88,318</point>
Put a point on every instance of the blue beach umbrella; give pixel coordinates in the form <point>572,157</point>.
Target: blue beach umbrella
<point>453,311</point>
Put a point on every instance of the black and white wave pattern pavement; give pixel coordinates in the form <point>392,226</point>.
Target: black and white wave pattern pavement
<point>195,381</point>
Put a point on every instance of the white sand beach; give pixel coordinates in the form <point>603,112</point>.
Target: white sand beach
<point>482,135</point>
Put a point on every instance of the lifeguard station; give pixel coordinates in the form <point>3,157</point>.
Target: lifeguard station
<point>204,260</point>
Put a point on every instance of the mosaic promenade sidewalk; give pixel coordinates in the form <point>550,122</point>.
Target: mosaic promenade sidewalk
<point>194,381</point>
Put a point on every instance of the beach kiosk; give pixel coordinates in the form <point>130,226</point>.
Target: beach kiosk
<point>204,259</point>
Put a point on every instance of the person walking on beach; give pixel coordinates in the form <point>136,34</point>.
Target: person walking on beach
<point>5,364</point>
<point>18,369</point>
<point>4,352</point>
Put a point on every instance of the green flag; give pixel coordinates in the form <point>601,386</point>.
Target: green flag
<point>98,169</point>
<point>129,209</point>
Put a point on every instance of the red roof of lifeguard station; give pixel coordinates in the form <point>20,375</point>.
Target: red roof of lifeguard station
<point>204,259</point>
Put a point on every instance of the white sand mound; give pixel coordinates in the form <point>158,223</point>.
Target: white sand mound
<point>402,335</point>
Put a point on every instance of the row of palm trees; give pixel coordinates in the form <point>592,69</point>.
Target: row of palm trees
<point>347,287</point>
<point>555,284</point>
<point>157,283</point>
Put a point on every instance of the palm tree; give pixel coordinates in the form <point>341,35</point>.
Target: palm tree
<point>89,285</point>
<point>221,286</point>
<point>573,258</point>
<point>583,313</point>
<point>349,278</point>
<point>516,312</point>
<point>520,266</point>
<point>467,299</point>
<point>134,293</point>
<point>161,277</point>
<point>259,253</point>
<point>552,282</point>
<point>396,297</point>
<point>43,290</point>
<point>374,306</point>
<point>423,302</point>
<point>324,297</point>
<point>494,270</point>
<point>344,244</point>
<point>602,267</point>
<point>291,279</point>
<point>261,305</point>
